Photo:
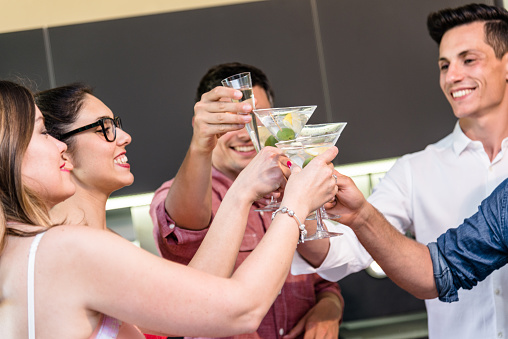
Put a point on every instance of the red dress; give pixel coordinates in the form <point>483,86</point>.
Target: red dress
<point>151,336</point>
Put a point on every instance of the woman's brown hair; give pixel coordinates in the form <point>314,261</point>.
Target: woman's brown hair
<point>17,203</point>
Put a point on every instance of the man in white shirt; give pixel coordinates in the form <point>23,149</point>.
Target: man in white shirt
<point>430,190</point>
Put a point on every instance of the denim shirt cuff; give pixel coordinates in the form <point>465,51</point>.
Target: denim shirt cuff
<point>442,275</point>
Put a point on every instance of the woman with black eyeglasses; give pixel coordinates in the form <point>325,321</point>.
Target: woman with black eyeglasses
<point>96,147</point>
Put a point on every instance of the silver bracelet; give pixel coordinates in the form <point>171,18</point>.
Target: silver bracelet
<point>303,231</point>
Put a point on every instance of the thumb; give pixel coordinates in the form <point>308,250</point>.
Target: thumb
<point>297,330</point>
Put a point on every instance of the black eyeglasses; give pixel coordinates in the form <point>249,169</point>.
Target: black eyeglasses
<point>108,126</point>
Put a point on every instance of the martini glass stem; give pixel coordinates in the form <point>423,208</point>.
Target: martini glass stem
<point>273,203</point>
<point>320,212</point>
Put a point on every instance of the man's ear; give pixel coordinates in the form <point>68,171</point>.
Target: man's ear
<point>505,61</point>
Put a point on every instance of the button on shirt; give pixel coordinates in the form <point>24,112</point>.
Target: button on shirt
<point>298,295</point>
<point>428,192</point>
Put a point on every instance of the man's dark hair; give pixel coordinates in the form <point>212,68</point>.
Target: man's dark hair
<point>495,18</point>
<point>217,73</point>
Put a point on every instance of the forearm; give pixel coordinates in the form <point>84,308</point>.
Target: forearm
<point>314,252</point>
<point>404,260</point>
<point>221,245</point>
<point>218,252</point>
<point>271,259</point>
<point>335,303</point>
<point>192,187</point>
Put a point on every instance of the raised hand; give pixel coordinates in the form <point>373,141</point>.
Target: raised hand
<point>215,115</point>
<point>266,173</point>
<point>350,201</point>
<point>314,185</point>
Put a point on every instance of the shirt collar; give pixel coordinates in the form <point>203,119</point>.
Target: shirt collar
<point>460,140</point>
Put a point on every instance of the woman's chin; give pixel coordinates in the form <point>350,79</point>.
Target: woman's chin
<point>127,181</point>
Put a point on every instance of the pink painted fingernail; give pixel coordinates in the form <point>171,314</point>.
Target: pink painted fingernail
<point>289,164</point>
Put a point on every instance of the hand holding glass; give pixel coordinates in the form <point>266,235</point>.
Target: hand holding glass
<point>301,151</point>
<point>311,130</point>
<point>283,123</point>
<point>243,83</point>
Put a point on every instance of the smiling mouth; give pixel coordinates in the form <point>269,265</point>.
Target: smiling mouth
<point>461,93</point>
<point>121,160</point>
<point>244,148</point>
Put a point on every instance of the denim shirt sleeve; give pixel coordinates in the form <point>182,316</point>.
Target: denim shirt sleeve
<point>466,255</point>
<point>442,275</point>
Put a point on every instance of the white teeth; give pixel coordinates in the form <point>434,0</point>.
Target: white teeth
<point>244,148</point>
<point>461,93</point>
<point>121,159</point>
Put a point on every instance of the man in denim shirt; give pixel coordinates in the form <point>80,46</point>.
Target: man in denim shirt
<point>460,258</point>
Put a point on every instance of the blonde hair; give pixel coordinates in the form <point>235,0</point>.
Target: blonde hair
<point>17,203</point>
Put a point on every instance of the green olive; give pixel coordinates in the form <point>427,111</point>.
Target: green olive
<point>285,134</point>
<point>270,141</point>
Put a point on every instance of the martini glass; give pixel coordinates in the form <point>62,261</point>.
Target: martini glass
<point>243,83</point>
<point>284,123</point>
<point>301,151</point>
<point>280,124</point>
<point>316,130</point>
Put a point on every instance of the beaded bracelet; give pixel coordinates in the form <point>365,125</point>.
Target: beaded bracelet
<point>303,231</point>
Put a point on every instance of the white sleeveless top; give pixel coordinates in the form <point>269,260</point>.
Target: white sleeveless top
<point>30,285</point>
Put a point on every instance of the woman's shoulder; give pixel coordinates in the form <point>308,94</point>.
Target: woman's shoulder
<point>69,232</point>
<point>67,243</point>
<point>89,257</point>
<point>65,236</point>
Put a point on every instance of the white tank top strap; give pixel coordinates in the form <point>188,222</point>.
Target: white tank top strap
<point>30,285</point>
